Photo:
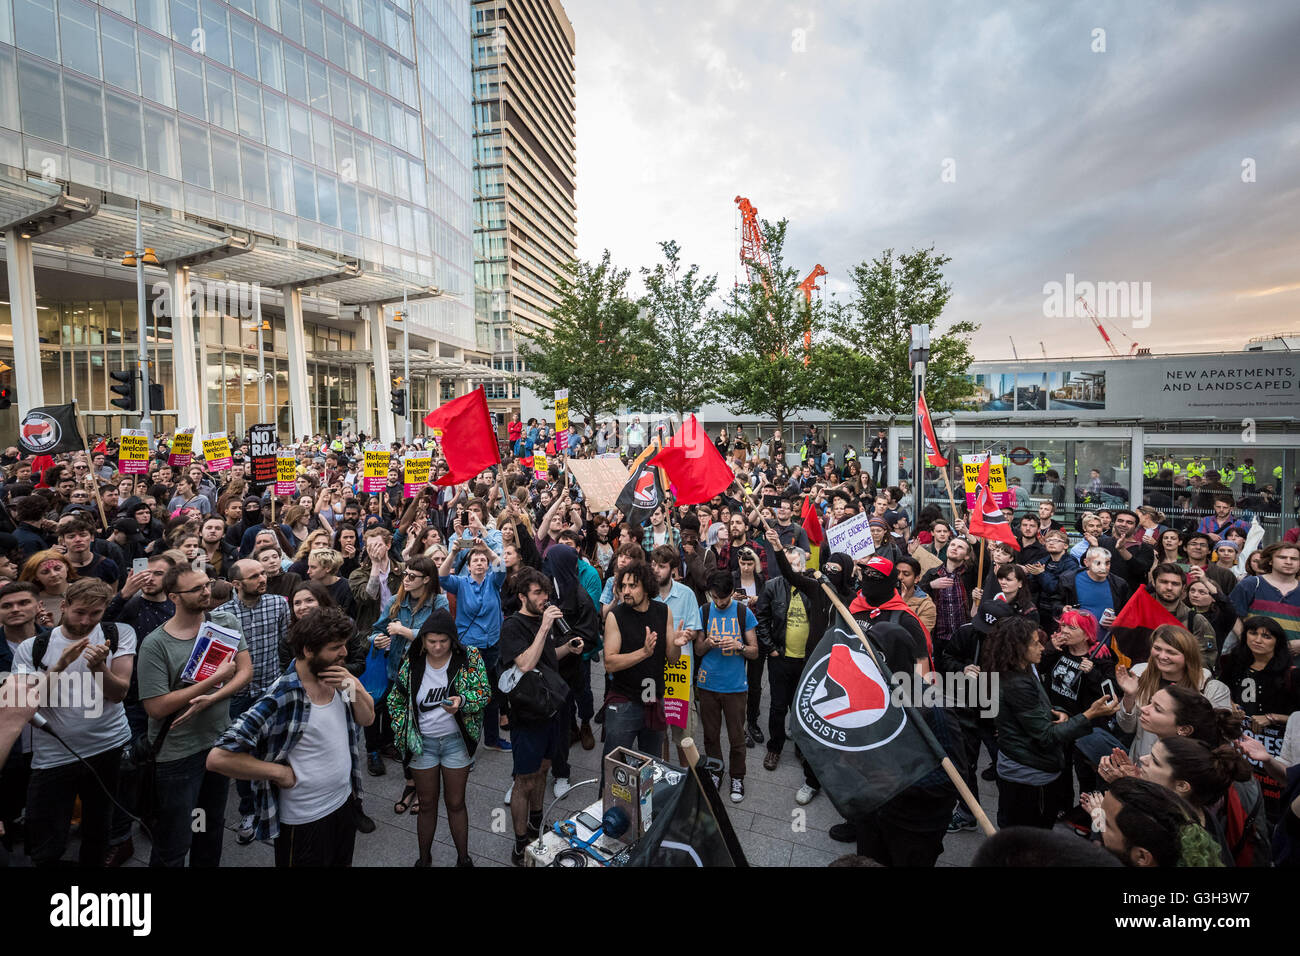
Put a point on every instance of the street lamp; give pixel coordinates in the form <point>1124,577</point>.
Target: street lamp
<point>406,362</point>
<point>260,326</point>
<point>139,257</point>
<point>917,356</point>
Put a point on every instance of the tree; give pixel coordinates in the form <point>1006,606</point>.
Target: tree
<point>594,346</point>
<point>764,371</point>
<point>682,361</point>
<point>863,368</point>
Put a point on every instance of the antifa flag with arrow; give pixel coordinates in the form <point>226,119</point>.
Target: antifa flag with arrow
<point>690,827</point>
<point>864,749</point>
<point>640,496</point>
<point>1130,632</point>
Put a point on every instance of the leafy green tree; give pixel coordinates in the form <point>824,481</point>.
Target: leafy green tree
<point>764,372</point>
<point>862,367</point>
<point>597,344</point>
<point>679,373</point>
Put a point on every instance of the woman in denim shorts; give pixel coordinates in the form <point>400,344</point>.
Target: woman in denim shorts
<point>436,707</point>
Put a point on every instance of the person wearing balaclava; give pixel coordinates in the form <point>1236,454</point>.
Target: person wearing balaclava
<point>244,533</point>
<point>580,620</point>
<point>878,600</point>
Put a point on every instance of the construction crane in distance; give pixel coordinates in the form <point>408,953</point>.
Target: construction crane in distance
<point>1102,329</point>
<point>752,251</point>
<point>808,286</point>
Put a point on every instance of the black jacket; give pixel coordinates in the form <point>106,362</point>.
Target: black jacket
<point>771,611</point>
<point>1026,732</point>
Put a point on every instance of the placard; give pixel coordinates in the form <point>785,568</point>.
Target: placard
<point>539,465</point>
<point>851,537</point>
<point>970,469</point>
<point>182,450</point>
<point>133,452</point>
<point>677,688</point>
<point>375,476</point>
<point>263,443</point>
<point>416,467</point>
<point>286,472</point>
<point>216,451</point>
<point>561,420</point>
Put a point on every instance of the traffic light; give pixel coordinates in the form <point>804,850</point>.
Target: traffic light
<point>399,400</point>
<point>126,389</point>
<point>155,396</point>
<point>6,396</point>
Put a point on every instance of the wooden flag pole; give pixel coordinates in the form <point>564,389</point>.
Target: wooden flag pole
<point>979,576</point>
<point>94,481</point>
<point>944,761</point>
<point>948,484</point>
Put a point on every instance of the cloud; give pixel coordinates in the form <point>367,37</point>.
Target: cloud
<point>1123,165</point>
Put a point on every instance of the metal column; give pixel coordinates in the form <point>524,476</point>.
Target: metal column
<point>22,308</point>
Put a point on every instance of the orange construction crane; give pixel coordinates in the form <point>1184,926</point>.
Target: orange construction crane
<point>1102,329</point>
<point>752,251</point>
<point>808,286</point>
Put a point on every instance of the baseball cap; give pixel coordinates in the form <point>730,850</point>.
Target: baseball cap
<point>881,564</point>
<point>989,613</point>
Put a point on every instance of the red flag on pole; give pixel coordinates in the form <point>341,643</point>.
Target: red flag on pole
<point>927,433</point>
<point>812,523</point>
<point>987,520</point>
<point>1130,632</point>
<point>469,442</point>
<point>693,465</point>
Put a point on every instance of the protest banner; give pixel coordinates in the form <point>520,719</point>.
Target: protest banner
<point>216,451</point>
<point>677,689</point>
<point>133,452</point>
<point>375,476</point>
<point>286,472</point>
<point>182,450</point>
<point>561,420</point>
<point>851,537</point>
<point>416,468</point>
<point>601,480</point>
<point>539,465</point>
<point>263,443</point>
<point>970,470</point>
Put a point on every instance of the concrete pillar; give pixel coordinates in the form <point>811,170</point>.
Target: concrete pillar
<point>22,307</point>
<point>1136,463</point>
<point>365,384</point>
<point>189,380</point>
<point>299,406</point>
<point>383,377</point>
<point>891,466</point>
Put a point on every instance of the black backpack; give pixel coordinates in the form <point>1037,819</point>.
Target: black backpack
<point>41,644</point>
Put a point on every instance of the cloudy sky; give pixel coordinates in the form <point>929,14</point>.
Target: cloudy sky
<point>1124,164</point>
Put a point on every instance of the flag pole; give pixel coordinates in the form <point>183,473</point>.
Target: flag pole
<point>944,761</point>
<point>94,481</point>
<point>979,576</point>
<point>948,484</point>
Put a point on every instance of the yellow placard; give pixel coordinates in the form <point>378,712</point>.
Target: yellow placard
<point>970,470</point>
<point>286,468</point>
<point>416,468</point>
<point>539,465</point>
<point>216,450</point>
<point>133,452</point>
<point>562,410</point>
<point>375,475</point>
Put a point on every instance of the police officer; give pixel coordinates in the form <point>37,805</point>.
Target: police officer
<point>1248,476</point>
<point>1041,464</point>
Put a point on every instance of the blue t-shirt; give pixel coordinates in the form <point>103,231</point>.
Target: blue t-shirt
<point>1094,597</point>
<point>723,672</point>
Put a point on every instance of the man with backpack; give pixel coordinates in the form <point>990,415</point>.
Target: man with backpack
<point>89,664</point>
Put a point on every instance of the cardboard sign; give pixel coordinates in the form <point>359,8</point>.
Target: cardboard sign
<point>216,451</point>
<point>601,480</point>
<point>133,452</point>
<point>970,471</point>
<point>286,473</point>
<point>561,420</point>
<point>375,476</point>
<point>263,443</point>
<point>677,688</point>
<point>851,537</point>
<point>416,467</point>
<point>182,450</point>
<point>539,465</point>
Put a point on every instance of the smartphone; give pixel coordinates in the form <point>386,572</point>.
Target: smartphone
<point>445,702</point>
<point>740,596</point>
<point>1108,688</point>
<point>588,821</point>
<point>139,565</point>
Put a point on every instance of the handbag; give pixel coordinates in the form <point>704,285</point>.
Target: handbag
<point>140,757</point>
<point>535,696</point>
<point>375,677</point>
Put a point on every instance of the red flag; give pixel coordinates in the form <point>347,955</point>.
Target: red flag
<point>812,523</point>
<point>927,433</point>
<point>693,465</point>
<point>987,520</point>
<point>101,448</point>
<point>469,441</point>
<point>1130,632</point>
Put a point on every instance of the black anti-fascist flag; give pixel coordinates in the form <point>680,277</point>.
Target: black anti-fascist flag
<point>50,429</point>
<point>690,826</point>
<point>864,749</point>
<point>640,496</point>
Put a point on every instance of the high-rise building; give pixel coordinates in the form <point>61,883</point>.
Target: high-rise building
<point>306,162</point>
<point>525,171</point>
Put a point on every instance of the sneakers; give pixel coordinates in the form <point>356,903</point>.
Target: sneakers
<point>843,832</point>
<point>119,854</point>
<point>574,734</point>
<point>586,736</point>
<point>510,792</point>
<point>772,758</point>
<point>517,857</point>
<point>244,832</point>
<point>375,765</point>
<point>754,732</point>
<point>959,822</point>
<point>465,862</point>
<point>805,795</point>
<point>717,780</point>
<point>501,745</point>
<point>561,787</point>
<point>737,789</point>
<point>364,823</point>
<point>749,740</point>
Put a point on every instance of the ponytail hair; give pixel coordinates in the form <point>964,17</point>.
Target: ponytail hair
<point>1208,771</point>
<point>1192,709</point>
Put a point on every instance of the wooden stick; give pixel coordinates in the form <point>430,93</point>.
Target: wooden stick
<point>689,751</point>
<point>948,483</point>
<point>979,577</point>
<point>944,761</point>
<point>94,479</point>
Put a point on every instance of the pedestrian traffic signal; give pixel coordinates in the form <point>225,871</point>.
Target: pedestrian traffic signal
<point>399,400</point>
<point>126,389</point>
<point>155,396</point>
<point>6,397</point>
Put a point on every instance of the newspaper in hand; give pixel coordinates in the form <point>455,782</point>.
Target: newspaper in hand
<point>213,647</point>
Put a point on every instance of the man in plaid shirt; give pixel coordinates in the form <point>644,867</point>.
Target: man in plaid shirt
<point>301,745</point>
<point>264,619</point>
<point>949,586</point>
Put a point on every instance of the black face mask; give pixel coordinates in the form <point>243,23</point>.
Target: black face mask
<point>876,588</point>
